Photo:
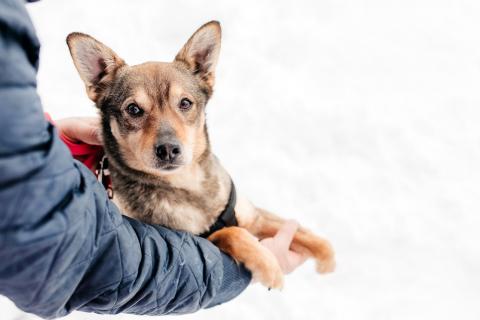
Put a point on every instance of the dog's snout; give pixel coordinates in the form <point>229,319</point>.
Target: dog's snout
<point>168,152</point>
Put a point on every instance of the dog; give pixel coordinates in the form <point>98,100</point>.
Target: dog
<point>162,167</point>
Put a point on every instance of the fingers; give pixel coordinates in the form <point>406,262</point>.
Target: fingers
<point>86,129</point>
<point>286,233</point>
<point>89,134</point>
<point>279,245</point>
<point>296,259</point>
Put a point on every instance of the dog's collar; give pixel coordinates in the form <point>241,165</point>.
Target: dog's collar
<point>227,217</point>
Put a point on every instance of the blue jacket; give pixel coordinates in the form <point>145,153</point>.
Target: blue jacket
<point>63,245</point>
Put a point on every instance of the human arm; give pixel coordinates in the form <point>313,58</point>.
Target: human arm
<point>63,244</point>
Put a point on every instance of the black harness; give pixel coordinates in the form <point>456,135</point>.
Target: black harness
<point>227,217</point>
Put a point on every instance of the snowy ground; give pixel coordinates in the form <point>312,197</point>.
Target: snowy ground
<point>358,118</point>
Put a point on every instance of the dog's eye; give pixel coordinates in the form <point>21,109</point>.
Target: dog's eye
<point>185,104</point>
<point>134,110</point>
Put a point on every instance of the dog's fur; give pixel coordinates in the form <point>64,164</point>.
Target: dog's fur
<point>190,189</point>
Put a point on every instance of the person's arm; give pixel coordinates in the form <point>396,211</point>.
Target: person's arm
<point>63,244</point>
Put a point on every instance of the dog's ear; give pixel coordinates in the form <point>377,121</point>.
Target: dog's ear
<point>95,62</point>
<point>201,51</point>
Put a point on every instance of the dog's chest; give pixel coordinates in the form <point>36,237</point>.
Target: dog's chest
<point>181,215</point>
<point>173,208</point>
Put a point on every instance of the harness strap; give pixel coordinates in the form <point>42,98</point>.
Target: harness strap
<point>227,217</point>
<point>103,176</point>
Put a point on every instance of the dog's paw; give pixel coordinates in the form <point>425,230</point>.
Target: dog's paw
<point>266,270</point>
<point>325,258</point>
<point>326,265</point>
<point>245,248</point>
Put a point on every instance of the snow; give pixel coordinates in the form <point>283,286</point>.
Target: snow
<point>357,118</point>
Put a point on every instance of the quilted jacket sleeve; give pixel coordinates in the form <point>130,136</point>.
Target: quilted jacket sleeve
<point>63,245</point>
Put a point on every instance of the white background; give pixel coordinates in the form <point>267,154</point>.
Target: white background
<point>360,119</point>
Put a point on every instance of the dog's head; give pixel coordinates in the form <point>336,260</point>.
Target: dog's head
<point>153,114</point>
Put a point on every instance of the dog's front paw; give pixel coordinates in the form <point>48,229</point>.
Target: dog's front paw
<point>265,269</point>
<point>326,265</point>
<point>245,248</point>
<point>325,258</point>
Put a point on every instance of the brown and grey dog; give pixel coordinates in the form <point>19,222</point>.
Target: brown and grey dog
<point>163,170</point>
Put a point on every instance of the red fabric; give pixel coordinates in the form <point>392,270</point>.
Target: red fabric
<point>89,155</point>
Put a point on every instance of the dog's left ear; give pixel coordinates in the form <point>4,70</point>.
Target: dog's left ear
<point>201,52</point>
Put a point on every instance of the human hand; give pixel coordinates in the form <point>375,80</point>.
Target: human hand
<point>82,129</point>
<point>279,245</point>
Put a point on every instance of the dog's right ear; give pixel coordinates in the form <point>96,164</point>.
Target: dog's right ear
<point>95,62</point>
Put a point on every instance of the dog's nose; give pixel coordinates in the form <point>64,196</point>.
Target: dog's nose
<point>168,152</point>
